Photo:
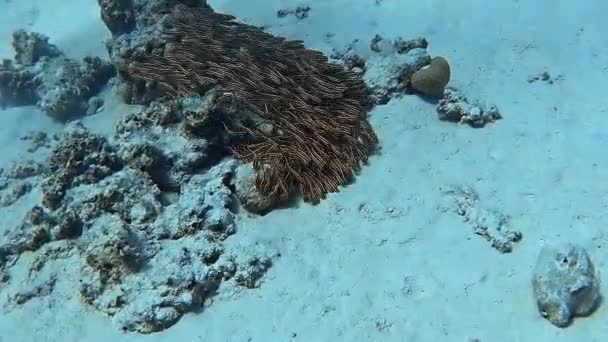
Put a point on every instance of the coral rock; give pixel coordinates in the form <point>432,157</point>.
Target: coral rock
<point>432,79</point>
<point>565,284</point>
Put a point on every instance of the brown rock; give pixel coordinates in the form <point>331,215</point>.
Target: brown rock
<point>432,79</point>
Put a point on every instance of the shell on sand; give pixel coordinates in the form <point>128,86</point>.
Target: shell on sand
<point>432,79</point>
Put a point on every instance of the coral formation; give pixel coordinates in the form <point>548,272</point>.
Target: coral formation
<point>307,126</point>
<point>395,67</point>
<point>455,107</point>
<point>490,224</point>
<point>390,68</point>
<point>144,227</point>
<point>117,15</point>
<point>41,75</point>
<point>30,47</point>
<point>171,140</point>
<point>432,79</point>
<point>399,66</point>
<point>16,182</point>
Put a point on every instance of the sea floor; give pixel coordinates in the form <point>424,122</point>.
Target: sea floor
<point>388,258</point>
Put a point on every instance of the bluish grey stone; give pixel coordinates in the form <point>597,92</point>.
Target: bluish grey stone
<point>565,284</point>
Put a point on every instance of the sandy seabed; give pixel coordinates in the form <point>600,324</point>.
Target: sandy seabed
<point>384,260</point>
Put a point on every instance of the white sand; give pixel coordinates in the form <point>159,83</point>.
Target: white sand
<point>418,274</point>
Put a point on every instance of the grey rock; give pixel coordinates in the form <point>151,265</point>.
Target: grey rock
<point>42,75</point>
<point>166,141</point>
<point>17,85</point>
<point>456,107</point>
<point>66,85</point>
<point>565,284</point>
<point>94,105</point>
<point>136,28</point>
<point>390,75</point>
<point>142,222</point>
<point>250,263</point>
<point>249,197</point>
<point>30,47</point>
<point>389,67</point>
<point>79,158</point>
<point>489,223</point>
<point>117,15</point>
